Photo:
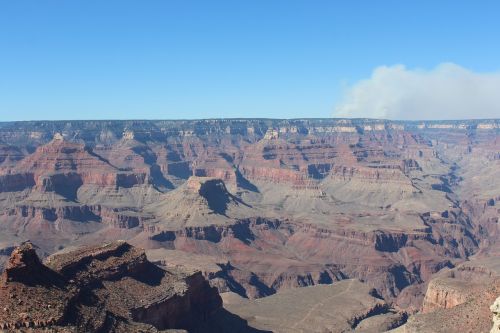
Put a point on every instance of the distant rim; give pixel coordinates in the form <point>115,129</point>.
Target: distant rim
<point>253,119</point>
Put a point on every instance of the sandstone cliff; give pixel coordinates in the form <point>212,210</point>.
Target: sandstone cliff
<point>459,298</point>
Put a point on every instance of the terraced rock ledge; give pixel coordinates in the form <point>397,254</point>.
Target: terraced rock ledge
<point>106,288</point>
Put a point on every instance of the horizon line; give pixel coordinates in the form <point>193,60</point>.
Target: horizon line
<point>247,118</point>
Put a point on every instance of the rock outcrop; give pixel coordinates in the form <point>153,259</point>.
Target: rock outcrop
<point>495,309</point>
<point>31,294</point>
<point>104,288</point>
<point>446,294</point>
<point>458,298</point>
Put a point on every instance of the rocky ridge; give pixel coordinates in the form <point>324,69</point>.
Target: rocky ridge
<point>106,288</point>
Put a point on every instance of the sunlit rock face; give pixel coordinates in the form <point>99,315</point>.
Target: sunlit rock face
<point>495,309</point>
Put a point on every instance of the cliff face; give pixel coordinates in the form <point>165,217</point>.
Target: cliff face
<point>495,309</point>
<point>473,315</point>
<point>452,287</point>
<point>459,298</point>
<point>445,294</point>
<point>111,287</point>
<point>280,203</point>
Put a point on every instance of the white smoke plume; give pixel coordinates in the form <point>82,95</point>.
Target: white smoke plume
<point>447,92</point>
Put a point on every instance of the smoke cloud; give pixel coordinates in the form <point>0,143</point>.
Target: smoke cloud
<point>448,91</point>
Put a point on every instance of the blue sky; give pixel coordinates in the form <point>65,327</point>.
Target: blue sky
<point>94,59</point>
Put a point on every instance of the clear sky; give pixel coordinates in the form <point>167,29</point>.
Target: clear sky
<point>105,59</point>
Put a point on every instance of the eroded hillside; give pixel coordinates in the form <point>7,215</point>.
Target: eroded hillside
<point>262,206</point>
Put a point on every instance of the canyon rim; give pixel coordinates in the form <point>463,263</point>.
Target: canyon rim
<point>303,225</point>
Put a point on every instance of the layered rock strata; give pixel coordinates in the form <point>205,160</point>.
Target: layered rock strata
<point>278,204</point>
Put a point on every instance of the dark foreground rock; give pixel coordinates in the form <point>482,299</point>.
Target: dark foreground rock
<point>109,288</point>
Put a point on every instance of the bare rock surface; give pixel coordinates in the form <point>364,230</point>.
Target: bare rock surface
<point>105,288</point>
<point>471,316</point>
<point>460,297</point>
<point>495,309</point>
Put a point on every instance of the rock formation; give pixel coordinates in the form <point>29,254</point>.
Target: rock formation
<point>495,309</point>
<point>105,288</point>
<point>268,205</point>
<point>458,298</point>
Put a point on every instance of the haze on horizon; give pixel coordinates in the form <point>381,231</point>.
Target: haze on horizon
<point>259,59</point>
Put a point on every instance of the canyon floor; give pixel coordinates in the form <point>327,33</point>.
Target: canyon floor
<point>305,225</point>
